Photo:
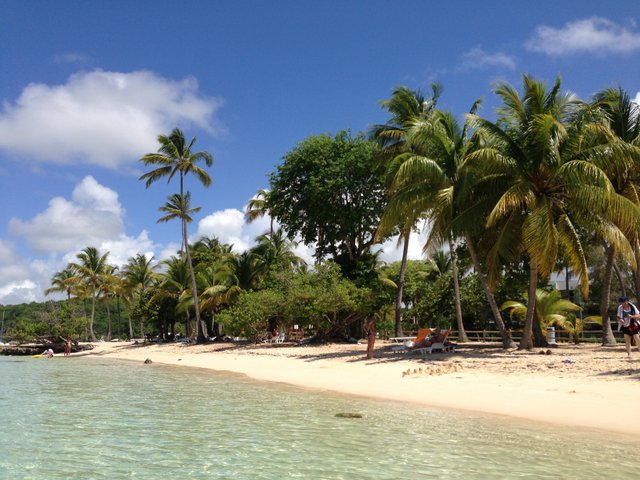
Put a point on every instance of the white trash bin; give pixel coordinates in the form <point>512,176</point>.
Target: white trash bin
<point>551,335</point>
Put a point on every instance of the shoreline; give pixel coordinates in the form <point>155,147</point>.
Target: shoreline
<point>583,386</point>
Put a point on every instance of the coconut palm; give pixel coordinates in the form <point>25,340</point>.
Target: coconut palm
<point>533,158</point>
<point>178,206</point>
<point>90,267</point>
<point>618,150</point>
<point>63,281</point>
<point>406,107</point>
<point>175,157</point>
<point>108,288</point>
<point>276,250</point>
<point>174,285</point>
<point>257,207</point>
<point>139,274</point>
<point>551,310</point>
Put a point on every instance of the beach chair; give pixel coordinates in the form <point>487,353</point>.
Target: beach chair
<point>444,346</point>
<point>278,338</point>
<point>408,345</point>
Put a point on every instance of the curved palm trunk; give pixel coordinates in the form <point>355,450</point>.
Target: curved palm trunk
<point>507,341</point>
<point>462,335</point>
<point>607,334</point>
<point>403,269</point>
<point>526,343</point>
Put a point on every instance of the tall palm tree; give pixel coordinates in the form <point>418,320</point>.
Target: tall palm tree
<point>175,156</point>
<point>139,274</point>
<point>91,266</point>
<point>619,157</point>
<point>178,206</point>
<point>533,158</point>
<point>406,107</point>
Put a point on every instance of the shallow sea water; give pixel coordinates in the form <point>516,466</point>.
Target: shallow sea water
<point>73,418</point>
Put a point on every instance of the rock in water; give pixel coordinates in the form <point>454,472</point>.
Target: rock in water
<point>349,415</point>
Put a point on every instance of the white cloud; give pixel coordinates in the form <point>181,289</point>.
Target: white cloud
<point>230,227</point>
<point>637,99</point>
<point>477,58</point>
<point>590,35</point>
<point>92,216</point>
<point>71,57</point>
<point>102,118</point>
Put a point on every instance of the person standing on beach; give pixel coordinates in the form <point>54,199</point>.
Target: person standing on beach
<point>627,315</point>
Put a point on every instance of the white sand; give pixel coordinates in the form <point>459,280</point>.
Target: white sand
<point>586,386</point>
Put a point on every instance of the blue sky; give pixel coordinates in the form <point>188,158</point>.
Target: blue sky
<point>87,86</point>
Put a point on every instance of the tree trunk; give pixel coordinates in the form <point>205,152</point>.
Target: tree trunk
<point>507,341</point>
<point>607,334</point>
<point>200,338</point>
<point>108,319</point>
<point>462,335</point>
<point>636,272</point>
<point>403,269</point>
<point>539,337</point>
<point>93,314</point>
<point>371,337</point>
<point>130,325</point>
<point>616,270</point>
<point>526,343</point>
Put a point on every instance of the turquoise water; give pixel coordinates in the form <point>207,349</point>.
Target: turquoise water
<point>73,418</point>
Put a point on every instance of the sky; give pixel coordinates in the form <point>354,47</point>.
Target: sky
<point>87,86</point>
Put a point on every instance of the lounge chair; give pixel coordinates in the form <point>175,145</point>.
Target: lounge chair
<point>444,346</point>
<point>408,345</point>
<point>278,338</point>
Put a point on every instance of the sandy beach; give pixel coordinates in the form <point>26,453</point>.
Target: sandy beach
<point>586,386</point>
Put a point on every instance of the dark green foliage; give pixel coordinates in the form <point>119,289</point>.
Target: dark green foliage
<point>328,192</point>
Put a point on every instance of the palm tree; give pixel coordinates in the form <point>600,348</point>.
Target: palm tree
<point>429,182</point>
<point>63,281</point>
<point>276,251</point>
<point>173,285</point>
<point>551,309</point>
<point>406,107</point>
<point>90,267</point>
<point>178,206</point>
<point>108,288</point>
<point>139,274</point>
<point>533,158</point>
<point>619,148</point>
<point>175,157</point>
<point>257,207</point>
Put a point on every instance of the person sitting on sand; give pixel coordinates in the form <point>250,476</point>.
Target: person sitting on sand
<point>627,314</point>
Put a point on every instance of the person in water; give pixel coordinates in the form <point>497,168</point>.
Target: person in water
<point>48,353</point>
<point>627,315</point>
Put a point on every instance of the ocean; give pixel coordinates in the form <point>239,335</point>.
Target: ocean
<point>87,418</point>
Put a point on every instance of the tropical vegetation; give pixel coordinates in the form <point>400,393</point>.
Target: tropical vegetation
<point>550,184</point>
